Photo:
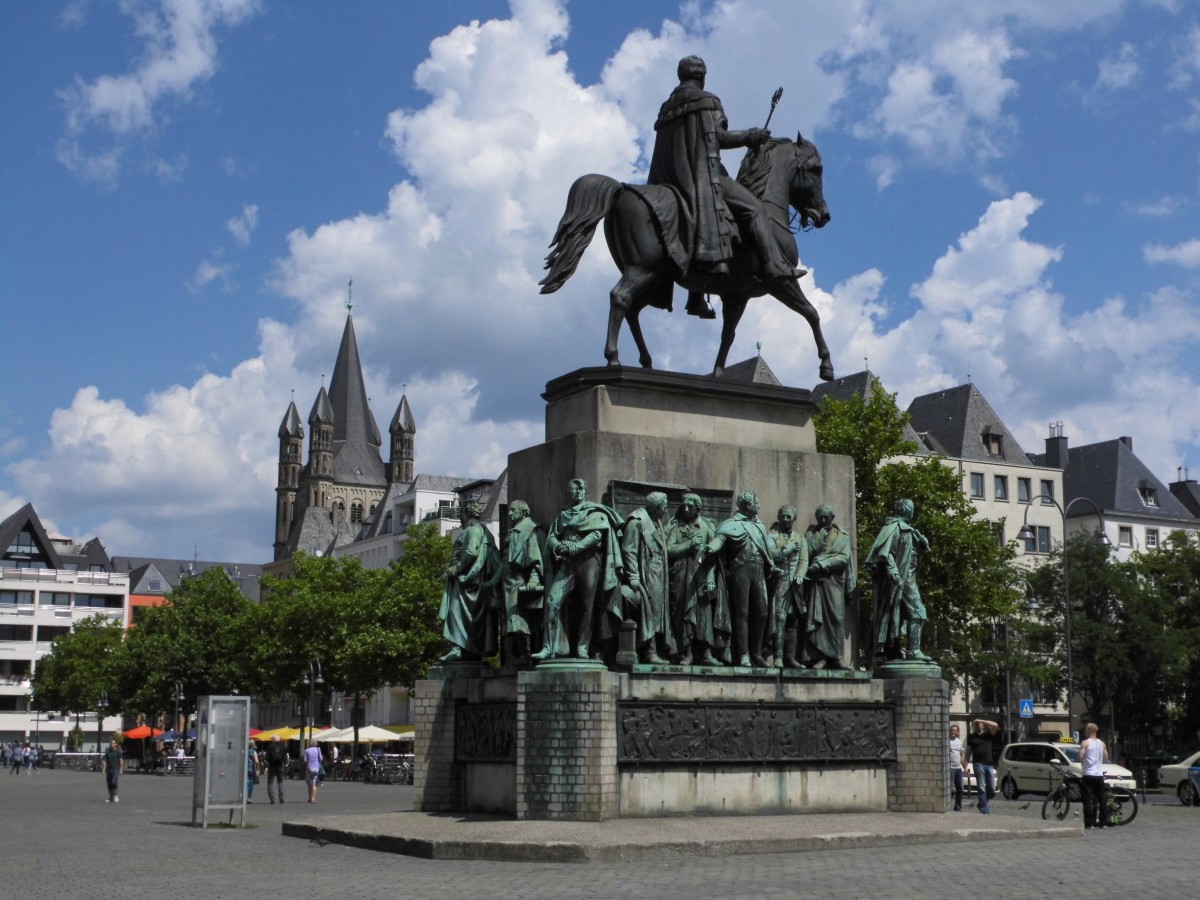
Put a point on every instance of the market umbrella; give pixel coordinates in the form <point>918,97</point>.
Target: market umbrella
<point>373,734</point>
<point>142,731</point>
<point>256,732</point>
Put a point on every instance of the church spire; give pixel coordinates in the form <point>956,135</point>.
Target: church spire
<point>353,420</point>
<point>403,430</point>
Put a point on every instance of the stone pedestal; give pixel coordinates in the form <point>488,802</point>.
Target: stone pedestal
<point>921,777</point>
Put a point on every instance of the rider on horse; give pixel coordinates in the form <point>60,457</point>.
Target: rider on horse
<point>690,132</point>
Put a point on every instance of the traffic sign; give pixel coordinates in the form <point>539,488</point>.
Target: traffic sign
<point>1026,709</point>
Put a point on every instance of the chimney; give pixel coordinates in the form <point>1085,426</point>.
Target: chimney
<point>1056,447</point>
<point>1126,440</point>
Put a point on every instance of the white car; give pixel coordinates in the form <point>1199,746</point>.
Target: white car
<point>1174,778</point>
<point>1026,769</point>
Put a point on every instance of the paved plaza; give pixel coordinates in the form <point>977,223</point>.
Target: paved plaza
<point>61,839</point>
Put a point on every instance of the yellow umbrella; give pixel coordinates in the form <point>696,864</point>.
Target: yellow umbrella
<point>267,735</point>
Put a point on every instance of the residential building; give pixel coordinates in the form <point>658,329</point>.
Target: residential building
<point>47,584</point>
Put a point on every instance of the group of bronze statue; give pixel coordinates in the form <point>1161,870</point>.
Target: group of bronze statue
<point>696,591</point>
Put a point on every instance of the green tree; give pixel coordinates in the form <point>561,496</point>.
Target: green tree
<point>82,667</point>
<point>200,637</point>
<point>367,628</point>
<point>966,579</point>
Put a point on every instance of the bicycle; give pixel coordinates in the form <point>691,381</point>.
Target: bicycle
<point>1120,803</point>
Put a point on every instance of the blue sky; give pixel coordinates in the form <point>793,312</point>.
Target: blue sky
<point>188,186</point>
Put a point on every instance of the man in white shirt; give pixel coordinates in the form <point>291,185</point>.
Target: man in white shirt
<point>1092,756</point>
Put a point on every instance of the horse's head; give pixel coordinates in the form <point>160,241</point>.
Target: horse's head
<point>806,193</point>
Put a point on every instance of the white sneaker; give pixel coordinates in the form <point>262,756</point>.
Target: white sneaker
<point>116,799</point>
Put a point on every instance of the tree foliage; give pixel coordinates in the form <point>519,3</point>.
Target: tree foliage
<point>966,579</point>
<point>82,665</point>
<point>198,637</point>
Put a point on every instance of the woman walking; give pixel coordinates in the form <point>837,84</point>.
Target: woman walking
<point>312,769</point>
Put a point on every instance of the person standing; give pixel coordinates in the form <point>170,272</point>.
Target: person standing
<point>312,769</point>
<point>277,760</point>
<point>1092,756</point>
<point>110,765</point>
<point>958,766</point>
<point>742,548</point>
<point>831,580</point>
<point>251,770</point>
<point>980,744</point>
<point>644,551</point>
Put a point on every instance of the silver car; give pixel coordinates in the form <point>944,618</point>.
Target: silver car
<point>1174,778</point>
<point>1025,768</point>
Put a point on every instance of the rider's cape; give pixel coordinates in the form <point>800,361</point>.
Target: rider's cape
<point>687,157</point>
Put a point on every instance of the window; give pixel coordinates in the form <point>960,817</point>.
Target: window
<point>1002,488</point>
<point>52,632</point>
<point>1151,538</point>
<point>54,598</point>
<point>16,598</point>
<point>1024,490</point>
<point>16,632</point>
<point>356,512</point>
<point>993,443</point>
<point>1148,493</point>
<point>997,532</point>
<point>977,485</point>
<point>1125,536</point>
<point>1040,543</point>
<point>1047,492</point>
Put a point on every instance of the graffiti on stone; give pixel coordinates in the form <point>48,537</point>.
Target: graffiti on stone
<point>719,733</point>
<point>485,732</point>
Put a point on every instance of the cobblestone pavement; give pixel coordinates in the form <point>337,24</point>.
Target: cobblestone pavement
<point>62,840</point>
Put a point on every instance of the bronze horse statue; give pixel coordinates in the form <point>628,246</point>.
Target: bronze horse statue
<point>781,173</point>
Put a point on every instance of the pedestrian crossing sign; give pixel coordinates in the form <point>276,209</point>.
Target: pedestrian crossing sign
<point>1027,709</point>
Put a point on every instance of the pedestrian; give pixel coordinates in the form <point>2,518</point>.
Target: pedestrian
<point>26,756</point>
<point>1092,756</point>
<point>251,770</point>
<point>313,767</point>
<point>277,760</point>
<point>35,753</point>
<point>110,765</point>
<point>958,766</point>
<point>980,743</point>
<point>17,760</point>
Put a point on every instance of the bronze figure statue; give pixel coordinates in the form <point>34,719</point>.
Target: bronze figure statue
<point>831,579</point>
<point>898,606</point>
<point>696,227</point>
<point>467,611</point>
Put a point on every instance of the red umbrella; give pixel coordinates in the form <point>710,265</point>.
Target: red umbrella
<point>255,732</point>
<point>142,731</point>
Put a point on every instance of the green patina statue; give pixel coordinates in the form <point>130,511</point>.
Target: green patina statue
<point>467,610</point>
<point>583,565</point>
<point>898,606</point>
<point>787,586</point>
<point>699,616</point>
<point>644,552</point>
<point>831,579</point>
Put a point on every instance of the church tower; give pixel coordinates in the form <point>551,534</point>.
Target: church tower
<point>291,447</point>
<point>320,450</point>
<point>403,431</point>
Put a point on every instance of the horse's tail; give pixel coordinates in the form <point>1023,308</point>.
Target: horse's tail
<point>588,202</point>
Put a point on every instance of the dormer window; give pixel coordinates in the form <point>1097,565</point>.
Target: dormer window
<point>1148,493</point>
<point>993,443</point>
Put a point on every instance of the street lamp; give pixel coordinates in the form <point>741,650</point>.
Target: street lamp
<point>101,706</point>
<point>1025,534</point>
<point>178,700</point>
<point>311,680</point>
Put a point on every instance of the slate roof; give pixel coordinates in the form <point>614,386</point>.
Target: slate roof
<point>173,571</point>
<point>859,385</point>
<point>1188,493</point>
<point>752,371</point>
<point>291,425</point>
<point>15,524</point>
<point>147,579</point>
<point>356,438</point>
<point>1111,476</point>
<point>497,497</point>
<point>954,423</point>
<point>403,419</point>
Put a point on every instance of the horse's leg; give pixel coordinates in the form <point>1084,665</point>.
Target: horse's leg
<point>732,307</point>
<point>789,294</point>
<point>626,301</point>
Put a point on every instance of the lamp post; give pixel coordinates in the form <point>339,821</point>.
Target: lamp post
<point>178,700</point>
<point>311,680</point>
<point>1025,534</point>
<point>101,706</point>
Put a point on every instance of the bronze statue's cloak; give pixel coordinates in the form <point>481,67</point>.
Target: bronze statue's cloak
<point>572,523</point>
<point>831,578</point>
<point>893,559</point>
<point>466,611</point>
<point>523,562</point>
<point>644,553</point>
<point>687,156</point>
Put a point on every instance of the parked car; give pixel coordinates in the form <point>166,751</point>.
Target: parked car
<point>1025,768</point>
<point>1174,778</point>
